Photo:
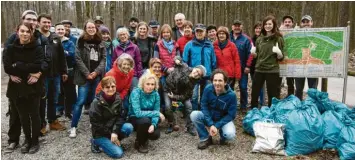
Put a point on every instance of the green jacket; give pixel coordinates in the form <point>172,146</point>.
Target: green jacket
<point>145,105</point>
<point>267,61</point>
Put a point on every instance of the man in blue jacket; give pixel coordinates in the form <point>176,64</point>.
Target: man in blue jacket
<point>218,110</point>
<point>200,51</point>
<point>243,44</point>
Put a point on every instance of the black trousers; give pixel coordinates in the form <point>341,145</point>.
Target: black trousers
<point>70,95</point>
<point>28,110</point>
<point>141,125</point>
<point>15,124</point>
<point>273,83</point>
<point>290,85</point>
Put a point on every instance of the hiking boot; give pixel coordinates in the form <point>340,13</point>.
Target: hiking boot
<point>143,148</point>
<point>191,131</point>
<point>59,114</point>
<point>170,129</point>
<point>25,148</point>
<point>72,132</point>
<point>34,149</point>
<point>94,148</point>
<point>12,146</point>
<point>56,126</point>
<point>205,144</point>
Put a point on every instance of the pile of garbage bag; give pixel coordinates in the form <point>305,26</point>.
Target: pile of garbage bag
<point>313,124</point>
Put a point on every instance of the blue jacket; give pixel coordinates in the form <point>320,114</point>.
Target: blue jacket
<point>200,54</point>
<point>73,39</point>
<point>218,110</point>
<point>69,50</point>
<point>144,105</point>
<point>244,45</point>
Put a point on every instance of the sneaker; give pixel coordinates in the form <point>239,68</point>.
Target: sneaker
<point>205,144</point>
<point>34,149</point>
<point>143,148</point>
<point>94,148</point>
<point>191,131</point>
<point>56,126</point>
<point>169,130</point>
<point>12,146</point>
<point>72,133</point>
<point>25,148</point>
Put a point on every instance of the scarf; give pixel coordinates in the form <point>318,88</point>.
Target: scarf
<point>107,44</point>
<point>124,45</point>
<point>109,99</point>
<point>169,45</point>
<point>222,45</point>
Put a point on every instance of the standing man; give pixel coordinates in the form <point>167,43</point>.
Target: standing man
<point>67,25</point>
<point>98,21</point>
<point>218,110</point>
<point>154,29</point>
<point>287,23</point>
<point>200,51</point>
<point>133,23</point>
<point>178,30</point>
<point>57,71</point>
<point>212,33</point>
<point>244,45</point>
<point>306,22</point>
<point>28,17</point>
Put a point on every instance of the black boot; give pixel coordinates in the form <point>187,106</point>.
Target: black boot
<point>12,146</point>
<point>143,148</point>
<point>25,147</point>
<point>205,144</point>
<point>34,149</point>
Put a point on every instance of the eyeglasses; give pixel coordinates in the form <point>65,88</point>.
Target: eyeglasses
<point>108,87</point>
<point>30,19</point>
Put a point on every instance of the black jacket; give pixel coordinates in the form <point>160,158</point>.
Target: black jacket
<point>21,60</point>
<point>179,83</point>
<point>54,51</point>
<point>145,58</point>
<point>106,119</point>
<point>176,33</point>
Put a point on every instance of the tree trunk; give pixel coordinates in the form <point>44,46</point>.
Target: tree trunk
<point>87,9</point>
<point>112,18</point>
<point>79,14</point>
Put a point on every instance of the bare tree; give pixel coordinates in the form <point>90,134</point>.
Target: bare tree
<point>79,14</point>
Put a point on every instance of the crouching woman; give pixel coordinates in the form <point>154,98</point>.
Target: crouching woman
<point>107,118</point>
<point>144,111</point>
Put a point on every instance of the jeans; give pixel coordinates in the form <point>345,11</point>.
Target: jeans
<point>28,110</point>
<point>83,92</point>
<point>141,125</point>
<point>273,83</point>
<point>111,149</point>
<point>227,132</point>
<point>312,83</point>
<point>197,93</point>
<point>171,116</point>
<point>52,92</point>
<point>243,86</point>
<point>262,96</point>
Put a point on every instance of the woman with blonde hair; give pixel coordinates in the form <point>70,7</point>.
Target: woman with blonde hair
<point>145,43</point>
<point>144,111</point>
<point>166,48</point>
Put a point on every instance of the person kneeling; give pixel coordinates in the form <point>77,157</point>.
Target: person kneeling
<point>144,111</point>
<point>107,118</point>
<point>218,110</point>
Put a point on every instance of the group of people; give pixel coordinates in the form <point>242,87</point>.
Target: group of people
<point>139,78</point>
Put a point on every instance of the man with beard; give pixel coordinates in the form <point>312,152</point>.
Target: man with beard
<point>133,23</point>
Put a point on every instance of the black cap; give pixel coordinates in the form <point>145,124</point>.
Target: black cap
<point>66,22</point>
<point>237,22</point>
<point>200,26</point>
<point>287,16</point>
<point>153,24</point>
<point>134,19</point>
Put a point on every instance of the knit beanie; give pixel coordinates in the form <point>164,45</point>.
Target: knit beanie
<point>28,12</point>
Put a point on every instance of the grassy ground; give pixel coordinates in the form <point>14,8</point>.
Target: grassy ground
<point>178,145</point>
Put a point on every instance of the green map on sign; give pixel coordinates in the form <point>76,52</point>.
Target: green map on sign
<point>321,45</point>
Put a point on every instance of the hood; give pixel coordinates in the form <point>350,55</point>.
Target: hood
<point>32,44</point>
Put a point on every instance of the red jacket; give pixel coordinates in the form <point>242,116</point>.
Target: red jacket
<point>123,81</point>
<point>182,42</point>
<point>166,58</point>
<point>228,59</point>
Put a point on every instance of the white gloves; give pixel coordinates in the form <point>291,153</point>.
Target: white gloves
<point>277,50</point>
<point>253,51</point>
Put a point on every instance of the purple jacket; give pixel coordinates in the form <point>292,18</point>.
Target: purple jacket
<point>132,50</point>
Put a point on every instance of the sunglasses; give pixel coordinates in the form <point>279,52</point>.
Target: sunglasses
<point>30,19</point>
<point>108,87</point>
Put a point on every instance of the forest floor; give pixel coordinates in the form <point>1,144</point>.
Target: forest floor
<point>177,145</point>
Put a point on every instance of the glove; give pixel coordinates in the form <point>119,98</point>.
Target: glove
<point>277,50</point>
<point>253,51</point>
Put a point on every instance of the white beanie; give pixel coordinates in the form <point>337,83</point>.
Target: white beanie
<point>28,12</point>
